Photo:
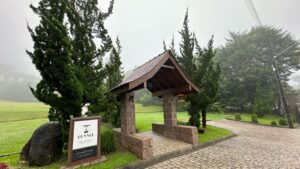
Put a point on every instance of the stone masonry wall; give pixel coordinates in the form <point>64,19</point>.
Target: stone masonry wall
<point>140,146</point>
<point>128,113</point>
<point>187,134</point>
<point>169,107</point>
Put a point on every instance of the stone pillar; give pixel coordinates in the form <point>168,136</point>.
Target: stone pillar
<point>169,107</point>
<point>127,113</point>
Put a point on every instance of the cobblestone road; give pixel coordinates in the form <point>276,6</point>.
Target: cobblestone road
<point>255,147</point>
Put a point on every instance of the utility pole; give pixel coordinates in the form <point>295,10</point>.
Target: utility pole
<point>282,95</point>
<point>274,64</point>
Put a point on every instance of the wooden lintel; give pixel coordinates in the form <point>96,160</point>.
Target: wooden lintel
<point>120,89</point>
<point>175,90</point>
<point>168,67</point>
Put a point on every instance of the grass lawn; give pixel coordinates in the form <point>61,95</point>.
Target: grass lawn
<point>144,120</point>
<point>12,111</point>
<point>139,108</point>
<point>213,133</point>
<point>261,120</point>
<point>16,133</point>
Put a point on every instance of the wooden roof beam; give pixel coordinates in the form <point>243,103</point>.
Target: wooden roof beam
<point>181,89</point>
<point>168,67</point>
<point>121,89</point>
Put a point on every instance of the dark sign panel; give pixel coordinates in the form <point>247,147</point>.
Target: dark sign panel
<point>84,153</point>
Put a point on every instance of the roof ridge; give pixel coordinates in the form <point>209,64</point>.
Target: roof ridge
<point>150,60</point>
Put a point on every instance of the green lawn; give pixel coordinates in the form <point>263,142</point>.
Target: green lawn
<point>144,120</point>
<point>261,120</point>
<point>139,108</point>
<point>16,133</point>
<point>213,133</point>
<point>11,111</point>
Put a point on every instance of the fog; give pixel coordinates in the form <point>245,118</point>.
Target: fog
<point>142,25</point>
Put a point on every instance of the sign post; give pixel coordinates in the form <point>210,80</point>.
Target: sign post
<point>84,141</point>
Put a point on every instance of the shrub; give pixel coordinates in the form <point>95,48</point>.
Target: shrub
<point>181,123</point>
<point>216,107</point>
<point>254,118</point>
<point>273,123</point>
<point>181,107</point>
<point>283,122</point>
<point>238,117</point>
<point>3,165</point>
<point>201,131</point>
<point>108,143</point>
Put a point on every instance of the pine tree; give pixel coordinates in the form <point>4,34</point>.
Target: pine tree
<point>115,77</point>
<point>187,61</point>
<point>164,46</point>
<point>198,64</point>
<point>207,76</point>
<point>59,87</point>
<point>86,25</point>
<point>67,57</point>
<point>187,45</point>
<point>171,47</point>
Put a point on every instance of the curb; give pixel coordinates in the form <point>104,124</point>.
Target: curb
<point>278,126</point>
<point>173,154</point>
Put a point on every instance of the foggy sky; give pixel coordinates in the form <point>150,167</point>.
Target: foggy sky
<point>142,25</point>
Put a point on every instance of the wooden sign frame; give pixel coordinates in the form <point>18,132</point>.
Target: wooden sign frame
<point>97,157</point>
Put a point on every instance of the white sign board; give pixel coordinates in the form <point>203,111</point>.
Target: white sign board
<point>84,140</point>
<point>85,134</point>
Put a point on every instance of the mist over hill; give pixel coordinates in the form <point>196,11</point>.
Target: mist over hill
<point>14,86</point>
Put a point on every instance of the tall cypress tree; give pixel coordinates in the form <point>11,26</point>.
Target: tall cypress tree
<point>187,61</point>
<point>115,77</point>
<point>198,64</point>
<point>114,66</point>
<point>59,87</point>
<point>67,57</point>
<point>187,44</point>
<point>207,76</point>
<point>87,24</point>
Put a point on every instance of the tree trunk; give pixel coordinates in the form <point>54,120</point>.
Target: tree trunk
<point>203,114</point>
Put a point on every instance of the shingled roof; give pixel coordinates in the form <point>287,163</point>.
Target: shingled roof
<point>160,75</point>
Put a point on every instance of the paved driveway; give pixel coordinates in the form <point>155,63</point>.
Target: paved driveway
<point>255,147</point>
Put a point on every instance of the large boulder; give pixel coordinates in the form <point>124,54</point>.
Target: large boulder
<point>45,145</point>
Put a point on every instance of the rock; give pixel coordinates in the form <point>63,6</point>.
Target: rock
<point>45,145</point>
<point>25,151</point>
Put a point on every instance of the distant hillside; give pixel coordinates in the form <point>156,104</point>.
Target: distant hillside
<point>14,86</point>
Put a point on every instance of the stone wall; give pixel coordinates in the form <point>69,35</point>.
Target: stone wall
<point>187,134</point>
<point>169,108</point>
<point>128,113</point>
<point>140,146</point>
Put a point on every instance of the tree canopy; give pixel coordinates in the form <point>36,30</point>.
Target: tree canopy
<point>246,64</point>
<point>199,65</point>
<point>67,57</point>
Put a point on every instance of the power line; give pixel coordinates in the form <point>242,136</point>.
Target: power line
<point>253,12</point>
<point>276,56</point>
<point>273,62</point>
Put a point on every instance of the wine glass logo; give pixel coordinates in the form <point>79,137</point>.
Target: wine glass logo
<point>86,126</point>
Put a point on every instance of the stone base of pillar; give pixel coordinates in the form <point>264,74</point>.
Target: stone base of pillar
<point>187,134</point>
<point>140,146</point>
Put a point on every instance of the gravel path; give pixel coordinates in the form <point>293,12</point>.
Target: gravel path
<point>254,147</point>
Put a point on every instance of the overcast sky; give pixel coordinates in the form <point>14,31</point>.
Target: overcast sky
<point>142,25</point>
